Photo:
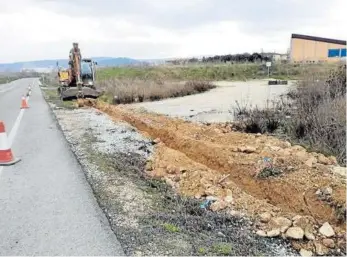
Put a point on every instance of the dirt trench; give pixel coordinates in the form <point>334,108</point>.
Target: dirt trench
<point>226,153</point>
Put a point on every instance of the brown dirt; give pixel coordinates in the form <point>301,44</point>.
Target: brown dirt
<point>193,158</point>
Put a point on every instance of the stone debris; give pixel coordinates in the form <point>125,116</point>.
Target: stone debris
<point>333,160</point>
<point>326,230</point>
<point>309,235</point>
<point>273,233</point>
<point>320,249</point>
<point>306,253</point>
<point>327,191</point>
<point>265,217</point>
<point>261,233</point>
<point>328,243</point>
<point>280,222</point>
<point>247,149</point>
<point>306,223</point>
<point>323,160</point>
<point>296,217</point>
<point>295,233</point>
<point>156,141</point>
<point>340,171</point>
<point>219,205</point>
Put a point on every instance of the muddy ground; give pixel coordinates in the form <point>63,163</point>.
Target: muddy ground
<point>147,215</point>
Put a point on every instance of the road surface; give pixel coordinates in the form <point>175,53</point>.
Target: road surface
<point>217,105</point>
<point>46,205</point>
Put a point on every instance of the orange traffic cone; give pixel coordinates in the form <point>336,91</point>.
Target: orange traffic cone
<point>6,155</point>
<point>24,103</point>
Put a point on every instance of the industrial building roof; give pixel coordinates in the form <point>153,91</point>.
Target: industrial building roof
<point>320,39</point>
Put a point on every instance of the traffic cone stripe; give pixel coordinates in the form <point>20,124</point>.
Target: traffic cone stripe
<point>2,127</point>
<point>6,155</point>
<point>24,103</point>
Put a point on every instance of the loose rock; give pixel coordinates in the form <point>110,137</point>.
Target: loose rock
<point>247,149</point>
<point>305,253</point>
<point>218,205</point>
<point>323,160</point>
<point>273,233</point>
<point>320,249</point>
<point>156,141</point>
<point>265,217</point>
<point>333,160</point>
<point>309,235</point>
<point>309,163</point>
<point>306,223</point>
<point>280,222</point>
<point>295,233</point>
<point>229,199</point>
<point>296,217</point>
<point>261,233</point>
<point>302,155</point>
<point>340,171</point>
<point>327,191</point>
<point>328,243</point>
<point>212,198</point>
<point>287,144</point>
<point>326,230</point>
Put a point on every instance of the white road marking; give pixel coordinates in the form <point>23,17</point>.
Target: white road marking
<point>14,130</point>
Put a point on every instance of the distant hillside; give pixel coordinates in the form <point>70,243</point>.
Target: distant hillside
<point>44,64</point>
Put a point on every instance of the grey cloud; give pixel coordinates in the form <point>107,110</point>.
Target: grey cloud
<point>253,15</point>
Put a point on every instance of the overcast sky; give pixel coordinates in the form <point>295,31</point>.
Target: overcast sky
<point>45,29</point>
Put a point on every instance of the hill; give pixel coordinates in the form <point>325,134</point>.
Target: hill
<point>47,64</point>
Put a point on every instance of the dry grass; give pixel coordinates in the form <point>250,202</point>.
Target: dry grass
<point>124,91</point>
<point>314,114</point>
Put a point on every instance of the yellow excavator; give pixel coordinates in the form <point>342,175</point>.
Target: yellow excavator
<point>78,81</point>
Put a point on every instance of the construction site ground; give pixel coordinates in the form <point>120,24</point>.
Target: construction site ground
<point>152,175</point>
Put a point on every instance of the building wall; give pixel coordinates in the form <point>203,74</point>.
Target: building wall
<point>303,50</point>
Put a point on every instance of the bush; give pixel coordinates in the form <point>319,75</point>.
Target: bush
<point>313,114</point>
<point>125,91</point>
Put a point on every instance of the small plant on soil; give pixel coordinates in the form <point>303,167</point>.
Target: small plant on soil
<point>171,228</point>
<point>222,248</point>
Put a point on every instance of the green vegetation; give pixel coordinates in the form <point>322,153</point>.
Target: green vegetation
<point>123,85</point>
<point>7,77</point>
<point>171,228</point>
<point>4,80</point>
<point>240,71</point>
<point>51,95</point>
<point>222,249</point>
<point>202,250</point>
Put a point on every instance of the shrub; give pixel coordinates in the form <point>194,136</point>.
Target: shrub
<point>125,91</point>
<point>313,114</point>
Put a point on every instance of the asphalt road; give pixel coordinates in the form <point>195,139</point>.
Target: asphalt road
<point>46,205</point>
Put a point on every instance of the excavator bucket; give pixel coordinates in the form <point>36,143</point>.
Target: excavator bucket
<point>73,93</point>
